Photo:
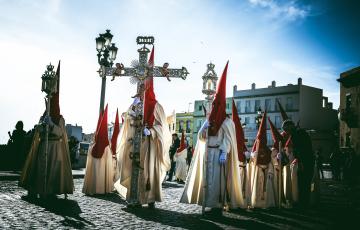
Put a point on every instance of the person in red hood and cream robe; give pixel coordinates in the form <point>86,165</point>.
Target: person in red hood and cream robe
<point>58,177</point>
<point>154,151</point>
<point>180,158</point>
<point>216,156</point>
<point>99,172</point>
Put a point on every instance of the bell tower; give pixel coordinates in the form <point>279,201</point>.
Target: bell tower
<point>209,82</point>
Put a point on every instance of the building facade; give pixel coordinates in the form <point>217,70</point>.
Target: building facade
<point>304,105</point>
<point>185,122</point>
<point>349,111</point>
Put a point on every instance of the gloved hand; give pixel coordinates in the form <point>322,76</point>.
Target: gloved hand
<point>247,155</point>
<point>222,157</point>
<point>253,154</point>
<point>204,126</point>
<point>136,101</point>
<point>147,132</point>
<point>278,156</point>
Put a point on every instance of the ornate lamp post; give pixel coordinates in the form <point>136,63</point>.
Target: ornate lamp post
<point>49,86</point>
<point>106,56</point>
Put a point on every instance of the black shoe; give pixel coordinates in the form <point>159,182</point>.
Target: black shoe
<point>134,205</point>
<point>214,212</point>
<point>151,205</point>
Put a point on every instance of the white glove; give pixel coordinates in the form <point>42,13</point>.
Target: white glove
<point>136,101</point>
<point>278,156</point>
<point>147,132</point>
<point>247,155</point>
<point>253,154</point>
<point>204,126</point>
<point>222,157</point>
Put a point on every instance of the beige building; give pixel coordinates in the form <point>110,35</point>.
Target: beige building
<point>349,111</point>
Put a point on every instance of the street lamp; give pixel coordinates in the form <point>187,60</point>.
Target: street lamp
<point>106,56</point>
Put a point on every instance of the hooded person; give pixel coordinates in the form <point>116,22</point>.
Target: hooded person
<point>58,176</point>
<point>263,194</point>
<point>214,175</point>
<point>301,146</point>
<point>242,153</point>
<point>99,170</point>
<point>114,140</point>
<point>180,158</point>
<point>154,150</point>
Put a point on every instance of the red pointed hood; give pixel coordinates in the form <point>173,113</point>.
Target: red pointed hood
<point>263,152</point>
<point>240,138</point>
<point>115,133</point>
<point>182,143</point>
<point>149,97</point>
<point>101,136</point>
<point>282,111</point>
<point>218,110</point>
<point>275,134</point>
<point>54,101</point>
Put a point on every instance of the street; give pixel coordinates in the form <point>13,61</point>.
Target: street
<point>110,212</point>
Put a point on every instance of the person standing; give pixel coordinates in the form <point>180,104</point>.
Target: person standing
<point>180,159</point>
<point>214,175</point>
<point>16,144</point>
<point>302,151</point>
<point>154,150</point>
<point>57,179</point>
<point>175,145</point>
<point>99,170</point>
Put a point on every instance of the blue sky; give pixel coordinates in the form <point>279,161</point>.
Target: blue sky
<point>264,40</point>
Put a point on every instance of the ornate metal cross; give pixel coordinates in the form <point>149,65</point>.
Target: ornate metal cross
<point>139,71</point>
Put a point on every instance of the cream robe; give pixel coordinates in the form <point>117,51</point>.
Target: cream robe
<point>99,173</point>
<point>154,164</point>
<point>263,194</point>
<point>193,192</point>
<point>294,180</point>
<point>59,175</point>
<point>287,181</point>
<point>181,166</point>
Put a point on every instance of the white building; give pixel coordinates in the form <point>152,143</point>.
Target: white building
<point>303,104</point>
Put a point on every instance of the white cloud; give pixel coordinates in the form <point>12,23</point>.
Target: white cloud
<point>288,10</point>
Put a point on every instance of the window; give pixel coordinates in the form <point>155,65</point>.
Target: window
<point>247,106</point>
<point>289,103</point>
<point>173,126</point>
<point>278,122</point>
<point>247,120</point>
<point>200,107</point>
<point>276,104</point>
<point>188,122</point>
<point>238,106</point>
<point>348,101</point>
<point>268,104</point>
<point>257,105</point>
<point>181,126</point>
<point>227,105</point>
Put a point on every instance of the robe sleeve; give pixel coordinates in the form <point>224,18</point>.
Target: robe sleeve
<point>225,142</point>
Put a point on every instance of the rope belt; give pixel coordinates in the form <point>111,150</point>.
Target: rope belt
<point>213,146</point>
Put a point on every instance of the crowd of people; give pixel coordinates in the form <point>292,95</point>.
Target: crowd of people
<point>220,173</point>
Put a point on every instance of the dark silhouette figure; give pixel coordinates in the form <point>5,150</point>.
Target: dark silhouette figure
<point>319,162</point>
<point>335,162</point>
<point>175,145</point>
<point>302,148</point>
<point>16,146</point>
<point>189,156</point>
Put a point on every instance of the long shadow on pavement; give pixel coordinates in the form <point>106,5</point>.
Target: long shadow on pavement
<point>113,197</point>
<point>68,209</point>
<point>193,221</point>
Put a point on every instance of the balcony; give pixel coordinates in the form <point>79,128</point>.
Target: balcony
<point>350,117</point>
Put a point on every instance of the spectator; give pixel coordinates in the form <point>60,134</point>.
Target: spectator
<point>16,146</point>
<point>319,162</point>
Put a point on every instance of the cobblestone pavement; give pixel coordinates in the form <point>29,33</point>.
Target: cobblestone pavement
<point>110,212</point>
